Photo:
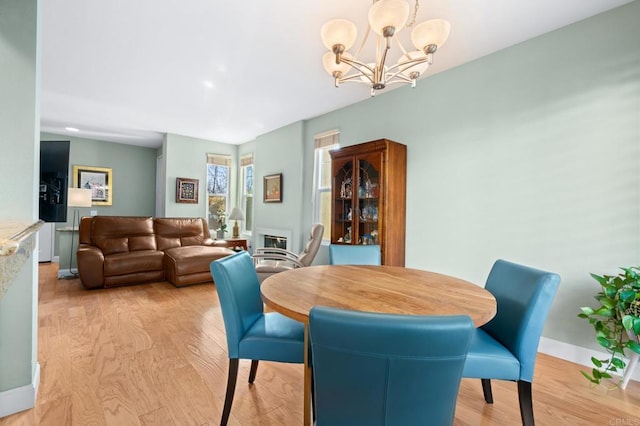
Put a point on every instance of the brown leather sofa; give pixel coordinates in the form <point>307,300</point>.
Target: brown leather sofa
<point>123,250</point>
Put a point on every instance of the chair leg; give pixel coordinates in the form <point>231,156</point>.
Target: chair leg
<point>253,371</point>
<point>486,390</point>
<point>526,403</point>
<point>231,388</point>
<point>313,397</point>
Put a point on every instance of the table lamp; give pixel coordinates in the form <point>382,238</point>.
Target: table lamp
<point>76,197</point>
<point>236,214</point>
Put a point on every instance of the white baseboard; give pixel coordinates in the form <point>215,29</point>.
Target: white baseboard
<point>55,259</point>
<point>22,398</point>
<point>576,354</point>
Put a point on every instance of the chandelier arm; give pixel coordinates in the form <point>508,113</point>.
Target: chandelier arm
<point>355,78</point>
<point>398,76</point>
<point>406,65</point>
<point>364,41</point>
<point>383,58</point>
<point>357,64</point>
<point>401,46</point>
<point>400,81</point>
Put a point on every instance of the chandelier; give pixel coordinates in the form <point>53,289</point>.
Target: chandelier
<point>386,19</point>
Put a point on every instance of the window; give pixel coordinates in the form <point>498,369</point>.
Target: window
<point>218,173</point>
<point>246,171</point>
<point>322,179</point>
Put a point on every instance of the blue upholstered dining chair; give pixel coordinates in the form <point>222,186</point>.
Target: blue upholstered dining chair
<point>344,254</point>
<point>251,333</point>
<point>372,369</point>
<point>506,347</point>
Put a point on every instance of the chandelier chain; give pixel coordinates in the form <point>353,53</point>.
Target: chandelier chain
<point>415,14</point>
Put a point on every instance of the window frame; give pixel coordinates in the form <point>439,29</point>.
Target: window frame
<point>323,142</point>
<point>219,160</point>
<point>246,162</point>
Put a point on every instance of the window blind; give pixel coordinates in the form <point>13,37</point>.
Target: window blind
<point>219,160</point>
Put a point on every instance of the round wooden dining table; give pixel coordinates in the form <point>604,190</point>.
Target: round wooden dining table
<point>379,289</point>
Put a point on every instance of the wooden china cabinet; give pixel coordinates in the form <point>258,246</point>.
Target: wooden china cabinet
<point>369,197</point>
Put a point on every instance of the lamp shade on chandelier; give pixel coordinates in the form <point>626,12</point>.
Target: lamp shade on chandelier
<point>386,19</point>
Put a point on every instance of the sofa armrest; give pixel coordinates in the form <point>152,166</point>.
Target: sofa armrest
<point>90,266</point>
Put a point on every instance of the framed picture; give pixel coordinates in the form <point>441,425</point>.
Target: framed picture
<point>186,190</point>
<point>98,180</point>
<point>273,188</point>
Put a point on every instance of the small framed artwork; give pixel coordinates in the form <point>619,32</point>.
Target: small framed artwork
<point>273,188</point>
<point>98,180</point>
<point>186,190</point>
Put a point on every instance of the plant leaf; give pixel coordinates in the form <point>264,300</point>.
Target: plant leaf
<point>589,378</point>
<point>610,291</point>
<point>601,280</point>
<point>627,296</point>
<point>586,310</point>
<point>634,346</point>
<point>596,362</point>
<point>627,322</point>
<point>618,362</point>
<point>605,312</point>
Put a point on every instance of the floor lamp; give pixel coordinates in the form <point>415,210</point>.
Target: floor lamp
<point>76,197</point>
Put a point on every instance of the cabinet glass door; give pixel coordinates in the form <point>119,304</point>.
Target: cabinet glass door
<point>368,196</point>
<point>344,186</point>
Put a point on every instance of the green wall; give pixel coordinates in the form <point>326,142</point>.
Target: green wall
<point>530,154</point>
<point>19,162</point>
<point>133,186</point>
<point>186,157</point>
<point>281,152</point>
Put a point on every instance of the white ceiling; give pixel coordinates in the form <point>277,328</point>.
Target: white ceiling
<point>128,71</point>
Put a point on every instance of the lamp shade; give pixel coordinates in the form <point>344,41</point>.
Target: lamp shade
<point>329,62</point>
<point>339,31</point>
<point>434,31</point>
<point>78,197</point>
<point>388,13</point>
<point>236,214</point>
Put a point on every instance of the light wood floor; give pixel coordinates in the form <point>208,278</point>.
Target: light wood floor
<point>156,355</point>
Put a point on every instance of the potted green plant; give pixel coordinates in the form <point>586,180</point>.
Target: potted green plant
<point>222,225</point>
<point>616,321</point>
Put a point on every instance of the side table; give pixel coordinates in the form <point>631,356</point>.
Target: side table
<point>236,244</point>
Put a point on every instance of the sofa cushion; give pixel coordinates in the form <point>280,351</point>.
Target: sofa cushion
<point>133,262</point>
<point>180,232</point>
<point>114,234</point>
<point>145,242</point>
<point>193,259</point>
<point>111,246</point>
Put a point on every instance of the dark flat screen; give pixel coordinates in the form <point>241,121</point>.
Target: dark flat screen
<point>54,180</point>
